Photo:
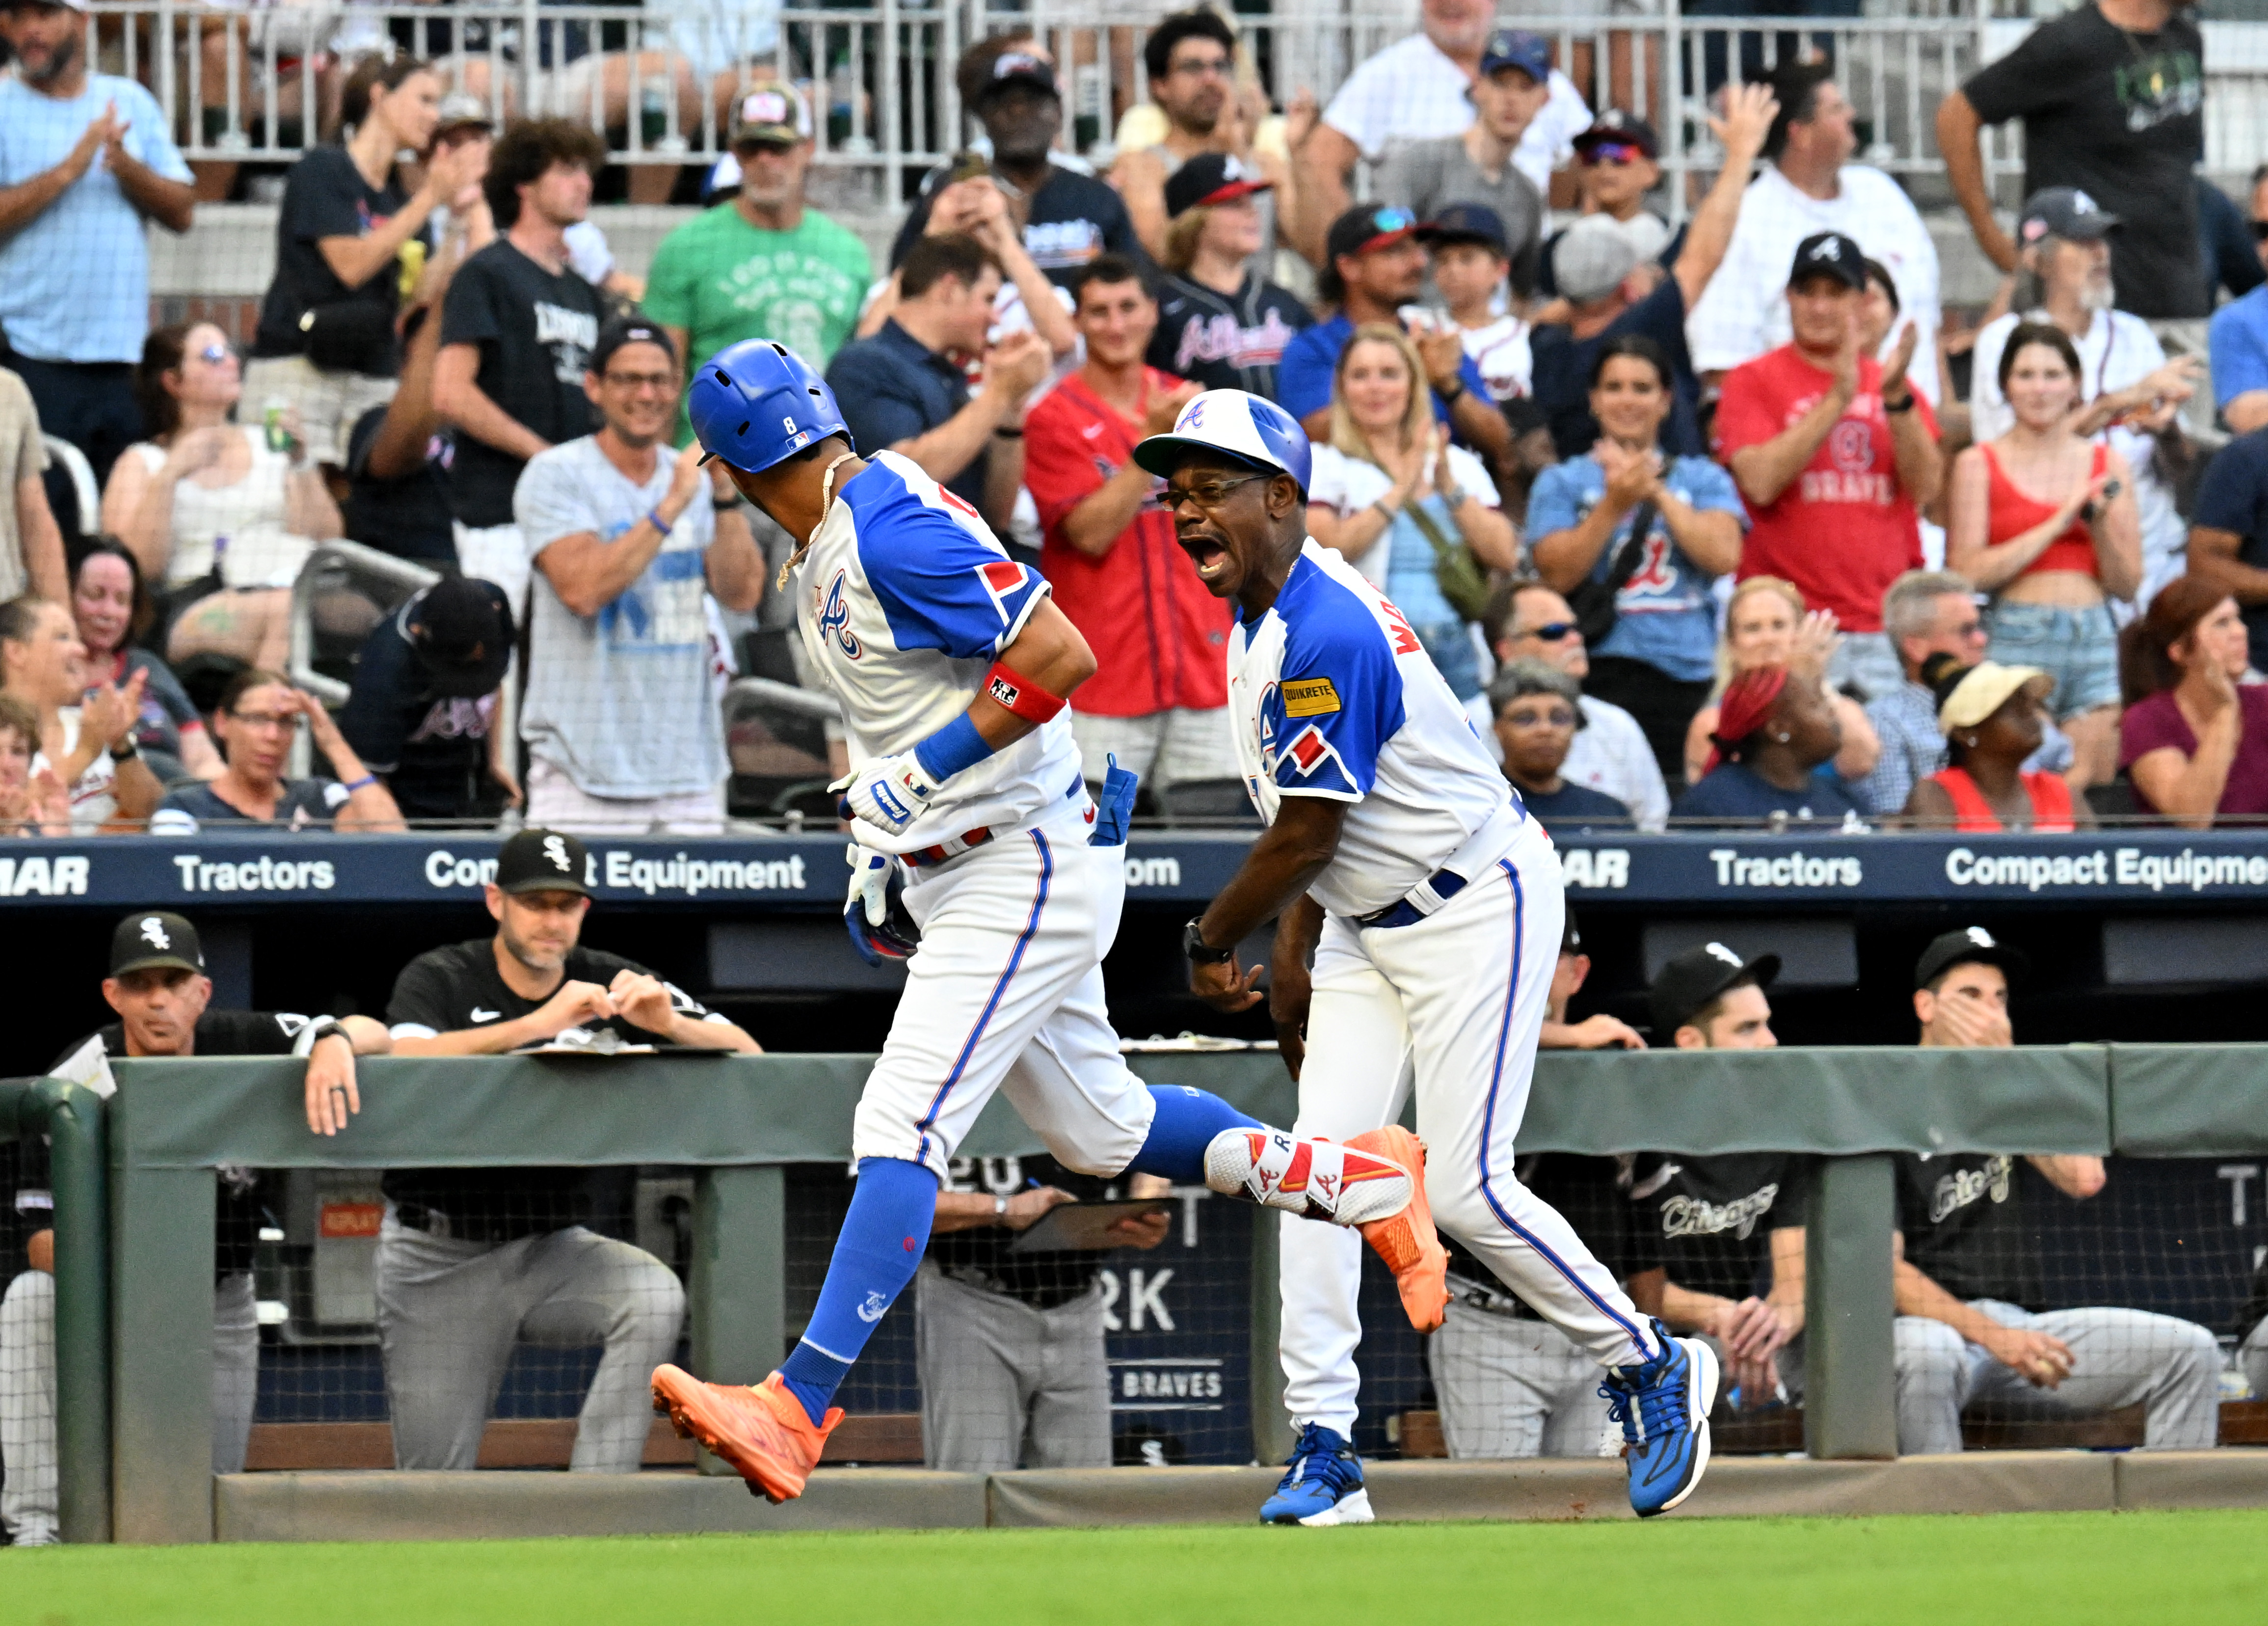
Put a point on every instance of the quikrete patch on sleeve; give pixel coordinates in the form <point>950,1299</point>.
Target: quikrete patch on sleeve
<point>1310,697</point>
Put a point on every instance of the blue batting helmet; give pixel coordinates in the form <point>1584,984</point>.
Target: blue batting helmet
<point>757,402</point>
<point>1252,429</point>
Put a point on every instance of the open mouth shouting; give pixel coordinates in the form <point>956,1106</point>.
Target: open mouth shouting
<point>1207,548</point>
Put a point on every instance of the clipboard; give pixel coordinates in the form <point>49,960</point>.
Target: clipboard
<point>1083,1227</point>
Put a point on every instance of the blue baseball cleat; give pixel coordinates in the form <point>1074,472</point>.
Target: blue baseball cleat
<point>1663,1407</point>
<point>1324,1485</point>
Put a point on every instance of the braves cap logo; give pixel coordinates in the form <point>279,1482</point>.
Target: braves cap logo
<point>1982,938</point>
<point>2082,205</point>
<point>556,850</point>
<point>154,933</point>
<point>1717,950</point>
<point>1826,249</point>
<point>764,107</point>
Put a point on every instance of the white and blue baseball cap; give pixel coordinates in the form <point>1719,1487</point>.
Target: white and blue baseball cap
<point>1249,428</point>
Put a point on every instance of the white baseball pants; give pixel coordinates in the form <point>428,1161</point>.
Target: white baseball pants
<point>1453,1002</point>
<point>1005,993</point>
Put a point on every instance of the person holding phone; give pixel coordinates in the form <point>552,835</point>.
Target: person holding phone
<point>1009,1345</point>
<point>2044,519</point>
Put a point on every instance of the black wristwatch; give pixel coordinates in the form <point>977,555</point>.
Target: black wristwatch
<point>1449,397</point>
<point>1197,950</point>
<point>125,750</point>
<point>1905,405</point>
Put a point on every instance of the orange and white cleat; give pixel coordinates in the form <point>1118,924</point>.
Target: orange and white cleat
<point>1407,1241</point>
<point>1374,1182</point>
<point>763,1432</point>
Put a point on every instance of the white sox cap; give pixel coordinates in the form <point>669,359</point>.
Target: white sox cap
<point>1247,427</point>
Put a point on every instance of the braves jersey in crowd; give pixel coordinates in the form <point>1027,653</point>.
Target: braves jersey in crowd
<point>904,602</point>
<point>1225,341</point>
<point>1156,633</point>
<point>1331,695</point>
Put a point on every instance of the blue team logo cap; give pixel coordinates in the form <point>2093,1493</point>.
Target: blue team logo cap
<point>757,402</point>
<point>1248,427</point>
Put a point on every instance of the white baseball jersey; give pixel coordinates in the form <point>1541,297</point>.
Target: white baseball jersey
<point>1332,696</point>
<point>904,601</point>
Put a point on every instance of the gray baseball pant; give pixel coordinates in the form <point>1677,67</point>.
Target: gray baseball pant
<point>1512,1387</point>
<point>449,1311</point>
<point>2118,1357</point>
<point>27,1395</point>
<point>2254,1358</point>
<point>1005,1386</point>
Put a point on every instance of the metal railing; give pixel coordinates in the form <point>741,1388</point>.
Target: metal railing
<point>240,82</point>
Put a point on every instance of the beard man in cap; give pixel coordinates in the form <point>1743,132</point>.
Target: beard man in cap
<point>427,695</point>
<point>1971,1327</point>
<point>158,987</point>
<point>1715,1226</point>
<point>1835,456</point>
<point>470,1260</point>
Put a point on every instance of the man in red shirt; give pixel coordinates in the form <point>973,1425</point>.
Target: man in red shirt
<point>1835,455</point>
<point>1159,696</point>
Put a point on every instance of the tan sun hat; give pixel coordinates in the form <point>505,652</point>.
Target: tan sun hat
<point>1974,694</point>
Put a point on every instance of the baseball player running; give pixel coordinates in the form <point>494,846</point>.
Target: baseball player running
<point>1397,857</point>
<point>953,664</point>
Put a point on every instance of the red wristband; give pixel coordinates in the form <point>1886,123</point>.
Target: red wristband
<point>1014,692</point>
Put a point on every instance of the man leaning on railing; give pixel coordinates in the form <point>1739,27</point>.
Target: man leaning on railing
<point>471,1261</point>
<point>158,987</point>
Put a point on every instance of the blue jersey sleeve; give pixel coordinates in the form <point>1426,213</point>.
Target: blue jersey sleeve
<point>938,586</point>
<point>1713,488</point>
<point>1303,378</point>
<point>1338,700</point>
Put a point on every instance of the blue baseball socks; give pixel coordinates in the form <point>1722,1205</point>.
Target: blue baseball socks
<point>882,1237</point>
<point>876,1254</point>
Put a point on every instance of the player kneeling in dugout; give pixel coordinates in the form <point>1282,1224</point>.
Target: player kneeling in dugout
<point>471,1261</point>
<point>158,987</point>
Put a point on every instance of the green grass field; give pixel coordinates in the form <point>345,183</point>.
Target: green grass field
<point>2131,1569</point>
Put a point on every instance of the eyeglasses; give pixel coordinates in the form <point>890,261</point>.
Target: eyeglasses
<point>213,355</point>
<point>1557,717</point>
<point>1613,153</point>
<point>1200,67</point>
<point>753,145</point>
<point>2260,230</point>
<point>638,380</point>
<point>1211,495</point>
<point>1549,632</point>
<point>1968,630</point>
<point>266,721</point>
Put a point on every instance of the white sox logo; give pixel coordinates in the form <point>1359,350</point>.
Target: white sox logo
<point>556,850</point>
<point>154,933</point>
<point>1963,1187</point>
<point>1696,1216</point>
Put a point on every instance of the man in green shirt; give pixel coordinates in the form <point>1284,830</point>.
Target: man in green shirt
<point>761,265</point>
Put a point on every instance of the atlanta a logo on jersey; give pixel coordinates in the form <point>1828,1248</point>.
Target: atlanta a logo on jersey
<point>835,619</point>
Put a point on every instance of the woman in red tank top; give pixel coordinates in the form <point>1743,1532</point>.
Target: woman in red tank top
<point>1992,717</point>
<point>2044,520</point>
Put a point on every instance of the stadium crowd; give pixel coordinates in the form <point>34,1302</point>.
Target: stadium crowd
<point>1711,523</point>
<point>1823,555</point>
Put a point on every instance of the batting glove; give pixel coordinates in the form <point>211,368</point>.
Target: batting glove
<point>874,912</point>
<point>889,792</point>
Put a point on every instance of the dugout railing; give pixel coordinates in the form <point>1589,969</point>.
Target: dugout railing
<point>739,1123</point>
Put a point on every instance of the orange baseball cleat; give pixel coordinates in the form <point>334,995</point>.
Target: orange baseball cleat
<point>763,1432</point>
<point>1406,1239</point>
